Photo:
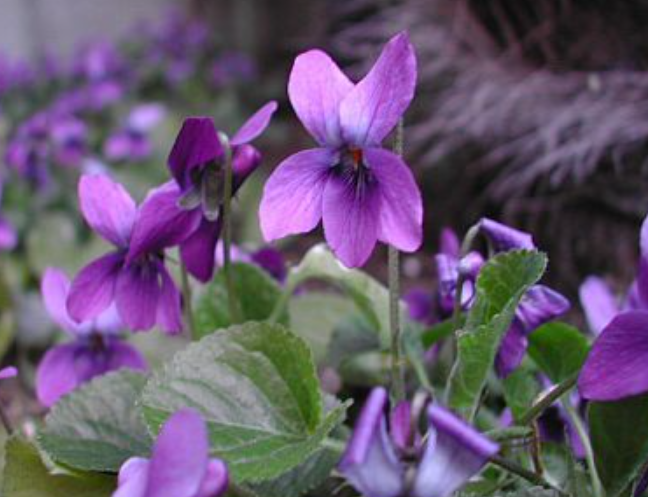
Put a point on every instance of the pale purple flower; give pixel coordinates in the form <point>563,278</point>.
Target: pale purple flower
<point>376,460</point>
<point>179,466</point>
<point>96,347</point>
<point>195,163</point>
<point>68,139</point>
<point>362,192</point>
<point>503,237</point>
<point>132,142</point>
<point>8,372</point>
<point>599,303</point>
<point>133,275</point>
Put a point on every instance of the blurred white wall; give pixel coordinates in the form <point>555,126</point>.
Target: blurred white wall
<point>28,28</point>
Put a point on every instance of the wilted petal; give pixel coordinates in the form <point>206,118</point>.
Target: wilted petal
<point>511,351</point>
<point>137,295</point>
<point>180,456</point>
<point>8,372</point>
<point>198,252</point>
<point>169,313</point>
<point>292,197</point>
<point>133,478</point>
<point>161,222</point>
<point>598,302</point>
<point>503,237</point>
<point>196,145</point>
<point>538,306</point>
<point>93,289</point>
<point>55,287</point>
<point>255,125</point>
<point>108,208</point>
<point>57,373</point>
<point>616,365</point>
<point>370,463</point>
<point>372,109</point>
<point>216,481</point>
<point>401,206</point>
<point>351,215</point>
<point>316,88</point>
<point>454,453</point>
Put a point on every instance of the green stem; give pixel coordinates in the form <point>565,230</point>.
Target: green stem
<point>5,421</point>
<point>397,369</point>
<point>597,488</point>
<point>466,246</point>
<point>234,310</point>
<point>548,400</point>
<point>190,324</point>
<point>334,445</point>
<point>524,473</point>
<point>282,303</point>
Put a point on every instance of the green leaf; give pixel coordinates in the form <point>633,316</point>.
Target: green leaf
<point>559,350</point>
<point>619,437</point>
<point>438,332</point>
<point>307,476</point>
<point>520,390</point>
<point>371,298</point>
<point>314,316</point>
<point>25,475</point>
<point>256,292</point>
<point>97,427</point>
<point>500,286</point>
<point>257,388</point>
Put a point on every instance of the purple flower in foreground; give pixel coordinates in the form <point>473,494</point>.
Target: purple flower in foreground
<point>133,276</point>
<point>375,461</point>
<point>95,350</point>
<point>196,165</point>
<point>362,192</point>
<point>179,465</point>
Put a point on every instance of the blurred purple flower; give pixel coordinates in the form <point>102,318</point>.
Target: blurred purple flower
<point>375,463</point>
<point>95,350</point>
<point>68,138</point>
<point>8,235</point>
<point>133,276</point>
<point>179,466</point>
<point>195,165</point>
<point>421,306</point>
<point>132,143</point>
<point>268,258</point>
<point>361,191</point>
<point>232,67</point>
<point>99,62</point>
<point>8,372</point>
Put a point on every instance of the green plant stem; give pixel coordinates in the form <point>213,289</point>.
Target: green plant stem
<point>597,489</point>
<point>234,310</point>
<point>334,445</point>
<point>397,369</point>
<point>187,302</point>
<point>282,303</point>
<point>548,400</point>
<point>5,421</point>
<point>466,246</point>
<point>524,473</point>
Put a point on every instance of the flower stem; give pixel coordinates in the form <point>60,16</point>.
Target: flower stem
<point>522,472</point>
<point>5,421</point>
<point>547,401</point>
<point>597,489</point>
<point>187,302</point>
<point>235,314</point>
<point>397,369</point>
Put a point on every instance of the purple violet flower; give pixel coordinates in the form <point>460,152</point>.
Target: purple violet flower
<point>96,349</point>
<point>195,165</point>
<point>8,235</point>
<point>538,306</point>
<point>133,276</point>
<point>376,463</point>
<point>503,237</point>
<point>179,466</point>
<point>362,192</point>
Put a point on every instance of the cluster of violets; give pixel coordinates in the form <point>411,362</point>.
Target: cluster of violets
<point>362,193</point>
